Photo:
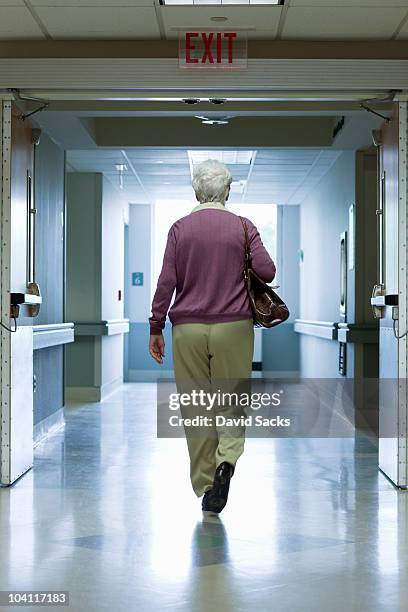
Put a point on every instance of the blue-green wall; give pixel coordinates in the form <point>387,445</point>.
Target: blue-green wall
<point>49,202</point>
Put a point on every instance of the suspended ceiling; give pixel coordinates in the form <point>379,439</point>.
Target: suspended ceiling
<point>147,19</point>
<point>278,176</point>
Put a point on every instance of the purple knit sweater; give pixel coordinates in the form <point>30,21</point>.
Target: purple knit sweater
<point>204,263</point>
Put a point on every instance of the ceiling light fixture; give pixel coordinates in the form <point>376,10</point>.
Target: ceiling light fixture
<point>213,120</point>
<point>121,168</point>
<point>222,2</point>
<point>232,157</point>
<point>219,18</point>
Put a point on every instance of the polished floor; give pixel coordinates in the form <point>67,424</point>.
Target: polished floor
<point>107,514</point>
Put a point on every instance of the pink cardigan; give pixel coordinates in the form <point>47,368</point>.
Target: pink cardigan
<point>204,263</point>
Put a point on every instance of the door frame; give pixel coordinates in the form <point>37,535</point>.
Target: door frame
<point>5,284</point>
<point>37,74</point>
<point>402,296</point>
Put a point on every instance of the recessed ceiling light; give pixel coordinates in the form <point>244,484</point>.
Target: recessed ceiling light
<point>228,157</point>
<point>121,168</point>
<point>219,18</point>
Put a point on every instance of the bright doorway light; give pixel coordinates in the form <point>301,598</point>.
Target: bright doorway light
<point>264,216</point>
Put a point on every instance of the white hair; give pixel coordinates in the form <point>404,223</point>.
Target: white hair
<point>211,181</point>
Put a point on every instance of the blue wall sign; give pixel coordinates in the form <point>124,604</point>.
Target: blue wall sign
<point>137,279</point>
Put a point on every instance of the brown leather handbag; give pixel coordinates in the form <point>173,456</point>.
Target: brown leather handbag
<point>268,309</point>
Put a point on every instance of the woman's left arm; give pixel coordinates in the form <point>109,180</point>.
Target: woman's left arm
<point>165,286</point>
<point>262,262</point>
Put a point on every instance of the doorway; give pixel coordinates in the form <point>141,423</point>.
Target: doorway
<point>302,134</point>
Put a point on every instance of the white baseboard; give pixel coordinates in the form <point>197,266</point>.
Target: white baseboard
<point>110,387</point>
<point>48,426</point>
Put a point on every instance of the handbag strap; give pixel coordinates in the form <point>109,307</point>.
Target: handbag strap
<point>248,256</point>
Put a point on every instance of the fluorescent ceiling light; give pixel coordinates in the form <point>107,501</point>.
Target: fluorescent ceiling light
<point>227,157</point>
<point>221,2</point>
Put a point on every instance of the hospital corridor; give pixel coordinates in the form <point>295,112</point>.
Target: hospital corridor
<point>204,305</point>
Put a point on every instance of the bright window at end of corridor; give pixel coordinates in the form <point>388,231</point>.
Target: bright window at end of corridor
<point>166,212</point>
<point>264,216</point>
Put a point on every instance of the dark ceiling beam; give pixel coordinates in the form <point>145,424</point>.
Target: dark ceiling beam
<point>189,132</point>
<point>257,49</point>
<point>87,107</point>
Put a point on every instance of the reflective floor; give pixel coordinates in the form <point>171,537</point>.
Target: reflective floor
<point>107,514</point>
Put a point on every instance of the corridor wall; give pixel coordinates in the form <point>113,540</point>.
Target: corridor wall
<point>323,216</point>
<point>140,254</point>
<point>94,294</point>
<point>49,202</point>
<point>280,345</point>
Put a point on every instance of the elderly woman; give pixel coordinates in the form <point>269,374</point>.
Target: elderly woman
<point>212,322</point>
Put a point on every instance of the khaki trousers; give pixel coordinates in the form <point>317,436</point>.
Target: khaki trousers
<point>215,356</point>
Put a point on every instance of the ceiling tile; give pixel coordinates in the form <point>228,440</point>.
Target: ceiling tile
<point>16,22</point>
<point>90,3</point>
<point>264,19</point>
<point>104,22</point>
<point>350,3</point>
<point>285,156</point>
<point>342,23</point>
<point>157,156</point>
<point>282,176</point>
<point>11,3</point>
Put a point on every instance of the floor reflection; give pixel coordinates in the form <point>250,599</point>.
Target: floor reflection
<point>108,514</point>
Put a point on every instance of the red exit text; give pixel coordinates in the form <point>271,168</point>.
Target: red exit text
<point>212,44</point>
<point>212,50</point>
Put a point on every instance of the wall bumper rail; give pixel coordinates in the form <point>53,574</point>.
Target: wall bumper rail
<point>52,334</point>
<point>319,329</point>
<point>108,327</point>
<point>357,333</point>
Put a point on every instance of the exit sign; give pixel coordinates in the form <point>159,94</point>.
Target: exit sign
<point>222,50</point>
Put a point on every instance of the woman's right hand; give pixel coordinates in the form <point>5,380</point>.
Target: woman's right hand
<point>156,347</point>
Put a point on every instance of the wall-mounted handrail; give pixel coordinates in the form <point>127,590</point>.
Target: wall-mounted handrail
<point>319,329</point>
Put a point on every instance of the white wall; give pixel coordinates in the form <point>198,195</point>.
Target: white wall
<point>323,216</point>
<point>140,260</point>
<point>113,215</point>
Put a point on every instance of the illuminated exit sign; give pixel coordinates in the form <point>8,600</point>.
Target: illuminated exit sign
<point>222,50</point>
